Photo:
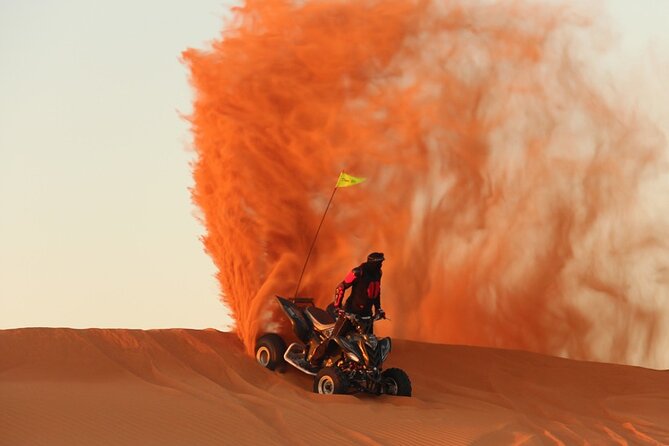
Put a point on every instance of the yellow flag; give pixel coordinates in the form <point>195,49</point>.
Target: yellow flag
<point>346,180</point>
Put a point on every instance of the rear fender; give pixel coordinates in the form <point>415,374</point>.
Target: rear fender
<point>301,326</point>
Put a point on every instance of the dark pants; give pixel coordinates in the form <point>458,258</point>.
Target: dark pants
<point>342,327</point>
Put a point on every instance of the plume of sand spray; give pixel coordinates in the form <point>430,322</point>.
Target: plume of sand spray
<point>507,192</point>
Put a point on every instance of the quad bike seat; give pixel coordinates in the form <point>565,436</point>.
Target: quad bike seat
<point>321,319</point>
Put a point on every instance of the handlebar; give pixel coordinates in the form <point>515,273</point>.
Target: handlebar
<point>354,317</point>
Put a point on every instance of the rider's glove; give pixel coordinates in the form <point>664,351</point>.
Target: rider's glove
<point>380,314</point>
<point>340,312</point>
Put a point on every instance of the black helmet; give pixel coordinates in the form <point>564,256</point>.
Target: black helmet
<point>376,257</point>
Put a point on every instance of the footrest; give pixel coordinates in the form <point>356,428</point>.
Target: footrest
<point>295,356</point>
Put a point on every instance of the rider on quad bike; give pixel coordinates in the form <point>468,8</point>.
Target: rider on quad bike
<point>365,294</point>
<point>338,348</point>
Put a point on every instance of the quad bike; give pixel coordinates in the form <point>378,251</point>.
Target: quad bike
<point>352,362</point>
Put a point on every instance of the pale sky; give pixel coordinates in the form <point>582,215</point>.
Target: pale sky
<point>96,222</point>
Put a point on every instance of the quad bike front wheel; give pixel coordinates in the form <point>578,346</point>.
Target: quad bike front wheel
<point>269,351</point>
<point>395,382</point>
<point>330,381</point>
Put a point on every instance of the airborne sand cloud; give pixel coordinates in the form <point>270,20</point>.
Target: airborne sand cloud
<point>510,189</point>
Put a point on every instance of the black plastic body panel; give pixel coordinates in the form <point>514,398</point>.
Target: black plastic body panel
<point>301,325</point>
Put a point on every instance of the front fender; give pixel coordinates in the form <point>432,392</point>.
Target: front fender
<point>385,346</point>
<point>351,350</point>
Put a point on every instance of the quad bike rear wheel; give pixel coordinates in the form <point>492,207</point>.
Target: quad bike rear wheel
<point>395,382</point>
<point>269,351</point>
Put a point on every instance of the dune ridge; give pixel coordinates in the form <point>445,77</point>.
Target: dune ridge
<point>177,386</point>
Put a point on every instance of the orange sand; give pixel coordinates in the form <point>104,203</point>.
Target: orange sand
<point>191,387</point>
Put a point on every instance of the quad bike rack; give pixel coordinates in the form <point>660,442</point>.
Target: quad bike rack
<point>301,301</point>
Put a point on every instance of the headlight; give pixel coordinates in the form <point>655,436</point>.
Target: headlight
<point>352,357</point>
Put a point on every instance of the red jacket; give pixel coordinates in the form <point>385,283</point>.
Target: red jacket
<point>366,291</point>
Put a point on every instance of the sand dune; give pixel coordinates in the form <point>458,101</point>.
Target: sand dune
<point>197,387</point>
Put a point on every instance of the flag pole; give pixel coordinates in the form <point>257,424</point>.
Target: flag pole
<point>313,242</point>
